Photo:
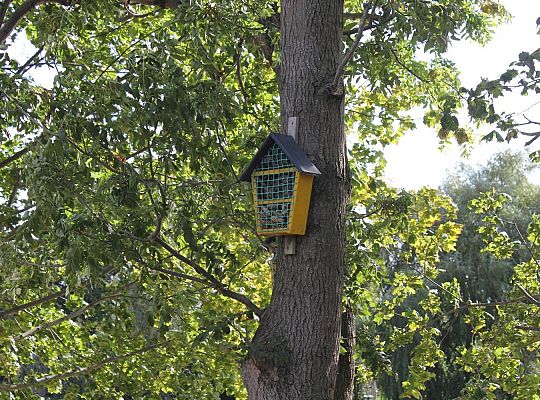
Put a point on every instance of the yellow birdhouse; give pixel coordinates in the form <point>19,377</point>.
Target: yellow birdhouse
<point>281,175</point>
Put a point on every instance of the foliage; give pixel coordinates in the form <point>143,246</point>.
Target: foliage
<point>129,265</point>
<point>478,283</point>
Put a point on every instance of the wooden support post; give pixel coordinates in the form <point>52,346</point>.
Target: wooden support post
<point>289,242</point>
<point>292,128</point>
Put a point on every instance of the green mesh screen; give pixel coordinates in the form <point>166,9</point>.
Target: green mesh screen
<point>278,186</point>
<point>273,217</point>
<point>274,159</point>
<point>274,187</point>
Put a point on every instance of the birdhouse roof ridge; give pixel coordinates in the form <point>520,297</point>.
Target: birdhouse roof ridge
<point>289,146</point>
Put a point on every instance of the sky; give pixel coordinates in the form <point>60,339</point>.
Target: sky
<point>416,160</point>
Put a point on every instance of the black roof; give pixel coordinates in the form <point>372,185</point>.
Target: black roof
<point>290,148</point>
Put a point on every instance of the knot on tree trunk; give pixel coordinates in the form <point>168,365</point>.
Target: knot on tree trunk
<point>269,353</point>
<point>335,88</point>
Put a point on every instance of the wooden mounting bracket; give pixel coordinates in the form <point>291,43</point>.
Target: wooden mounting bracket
<point>289,242</point>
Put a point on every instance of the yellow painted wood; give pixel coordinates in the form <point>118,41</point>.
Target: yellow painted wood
<point>300,203</point>
<point>273,171</point>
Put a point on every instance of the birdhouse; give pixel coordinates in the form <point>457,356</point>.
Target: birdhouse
<point>281,175</point>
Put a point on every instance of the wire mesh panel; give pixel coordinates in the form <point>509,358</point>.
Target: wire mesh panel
<point>273,218</point>
<point>275,158</point>
<point>274,193</point>
<point>275,186</point>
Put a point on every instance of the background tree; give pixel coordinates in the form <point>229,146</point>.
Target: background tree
<point>481,276</point>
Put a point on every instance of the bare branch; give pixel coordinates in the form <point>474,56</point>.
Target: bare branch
<point>536,135</point>
<point>80,371</point>
<point>212,280</point>
<point>531,121</point>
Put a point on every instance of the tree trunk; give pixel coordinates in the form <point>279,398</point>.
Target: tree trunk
<point>294,354</point>
<point>346,368</point>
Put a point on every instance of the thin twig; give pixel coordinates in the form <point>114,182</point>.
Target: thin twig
<point>406,68</point>
<point>528,295</point>
<point>237,58</point>
<point>525,243</point>
<point>423,275</point>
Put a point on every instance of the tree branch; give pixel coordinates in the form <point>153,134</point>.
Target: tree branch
<point>5,162</point>
<point>535,136</point>
<point>170,4</point>
<point>387,16</point>
<point>518,300</point>
<point>3,10</point>
<point>70,316</point>
<point>405,67</point>
<point>28,62</point>
<point>211,279</point>
<point>20,13</point>
<point>48,378</point>
<point>26,306</point>
<point>180,275</point>
<point>334,88</point>
<point>528,295</point>
<point>528,328</point>
<point>367,27</point>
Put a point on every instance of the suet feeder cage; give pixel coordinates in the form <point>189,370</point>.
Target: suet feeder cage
<point>281,175</point>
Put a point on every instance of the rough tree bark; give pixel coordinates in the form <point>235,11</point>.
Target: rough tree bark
<point>294,354</point>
